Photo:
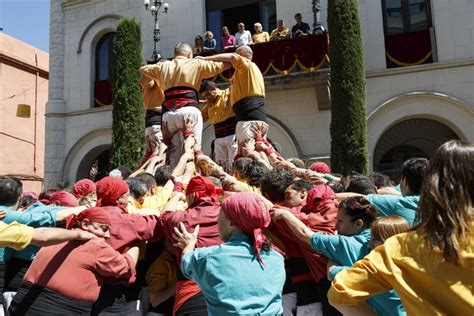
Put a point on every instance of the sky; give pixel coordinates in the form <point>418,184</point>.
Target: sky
<point>26,20</point>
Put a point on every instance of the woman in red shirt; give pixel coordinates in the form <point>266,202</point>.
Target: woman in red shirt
<point>65,279</point>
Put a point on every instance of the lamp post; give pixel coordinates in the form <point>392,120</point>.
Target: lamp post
<point>318,27</point>
<point>155,7</point>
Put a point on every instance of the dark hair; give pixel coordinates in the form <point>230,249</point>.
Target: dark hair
<point>381,180</point>
<point>297,162</point>
<point>301,184</point>
<point>137,187</point>
<point>444,213</point>
<point>46,194</point>
<point>26,200</point>
<point>148,178</point>
<point>125,171</point>
<point>413,171</point>
<point>361,184</point>
<point>254,173</point>
<point>163,174</point>
<point>297,14</point>
<point>359,207</point>
<point>10,190</point>
<point>207,85</point>
<point>274,183</point>
<point>240,165</point>
<point>336,186</point>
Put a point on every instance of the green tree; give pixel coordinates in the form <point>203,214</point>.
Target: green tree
<point>348,109</point>
<point>128,112</point>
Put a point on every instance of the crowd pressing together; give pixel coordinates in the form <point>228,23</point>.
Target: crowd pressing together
<point>243,231</point>
<point>244,37</point>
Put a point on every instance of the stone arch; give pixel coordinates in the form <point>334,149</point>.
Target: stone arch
<point>413,113</point>
<point>92,24</point>
<point>84,152</point>
<point>278,133</point>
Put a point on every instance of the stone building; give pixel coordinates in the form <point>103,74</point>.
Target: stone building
<point>419,59</point>
<point>23,96</point>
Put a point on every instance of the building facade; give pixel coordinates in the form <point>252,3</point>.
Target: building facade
<point>419,59</point>
<point>23,96</point>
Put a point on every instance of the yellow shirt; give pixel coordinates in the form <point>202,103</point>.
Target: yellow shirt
<point>219,110</point>
<point>15,235</point>
<point>260,37</point>
<point>278,35</point>
<point>159,199</point>
<point>182,72</point>
<point>153,96</point>
<point>161,274</point>
<point>427,284</point>
<point>247,80</point>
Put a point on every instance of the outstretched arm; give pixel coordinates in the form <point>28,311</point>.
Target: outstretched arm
<point>297,227</point>
<point>225,58</point>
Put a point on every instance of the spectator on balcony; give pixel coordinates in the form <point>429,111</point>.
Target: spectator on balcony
<point>301,28</point>
<point>210,43</point>
<point>227,40</point>
<point>260,36</point>
<point>243,37</point>
<point>198,45</point>
<point>218,111</point>
<point>281,32</point>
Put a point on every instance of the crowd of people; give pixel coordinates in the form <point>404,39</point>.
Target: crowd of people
<point>244,230</point>
<point>207,43</point>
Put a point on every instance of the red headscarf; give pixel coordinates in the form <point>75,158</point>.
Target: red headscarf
<point>93,214</point>
<point>83,187</point>
<point>320,167</point>
<point>63,198</point>
<point>319,193</point>
<point>109,190</point>
<point>202,187</point>
<point>248,212</point>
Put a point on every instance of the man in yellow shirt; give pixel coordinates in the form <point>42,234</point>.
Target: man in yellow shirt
<point>247,94</point>
<point>219,113</point>
<point>281,32</point>
<point>180,80</point>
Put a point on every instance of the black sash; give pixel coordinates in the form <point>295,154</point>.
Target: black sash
<point>250,109</point>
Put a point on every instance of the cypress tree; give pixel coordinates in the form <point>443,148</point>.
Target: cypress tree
<point>128,112</point>
<point>348,109</point>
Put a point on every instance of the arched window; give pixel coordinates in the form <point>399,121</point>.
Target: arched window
<point>104,60</point>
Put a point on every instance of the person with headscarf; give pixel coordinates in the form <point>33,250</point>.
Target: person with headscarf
<point>203,210</point>
<point>63,198</point>
<point>126,229</point>
<point>245,275</point>
<point>319,215</point>
<point>320,167</point>
<point>66,278</point>
<point>84,191</point>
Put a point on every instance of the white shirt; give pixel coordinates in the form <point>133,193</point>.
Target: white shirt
<point>244,38</point>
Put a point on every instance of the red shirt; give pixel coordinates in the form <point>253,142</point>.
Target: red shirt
<point>76,269</point>
<point>205,214</point>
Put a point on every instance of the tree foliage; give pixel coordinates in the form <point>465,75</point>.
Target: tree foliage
<point>348,109</point>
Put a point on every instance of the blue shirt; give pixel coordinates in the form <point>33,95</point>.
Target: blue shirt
<point>233,280</point>
<point>404,206</point>
<point>346,250</point>
<point>210,45</point>
<point>36,215</point>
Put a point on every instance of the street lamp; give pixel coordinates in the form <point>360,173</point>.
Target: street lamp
<point>156,6</point>
<point>318,27</point>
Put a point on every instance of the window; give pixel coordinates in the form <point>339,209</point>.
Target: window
<point>408,39</point>
<point>231,12</point>
<point>103,71</point>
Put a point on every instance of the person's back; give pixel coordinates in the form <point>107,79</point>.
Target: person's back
<point>233,287</point>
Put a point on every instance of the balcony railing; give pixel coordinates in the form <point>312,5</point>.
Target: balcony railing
<point>306,54</point>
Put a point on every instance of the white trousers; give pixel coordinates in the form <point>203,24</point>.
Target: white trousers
<point>244,130</point>
<point>173,127</point>
<point>225,149</point>
<point>7,301</point>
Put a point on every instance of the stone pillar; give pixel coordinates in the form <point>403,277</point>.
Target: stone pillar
<point>56,106</point>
